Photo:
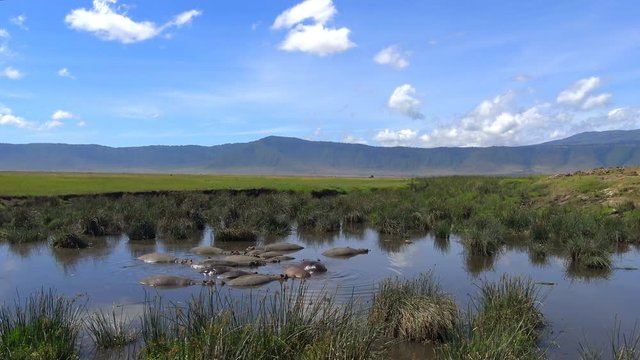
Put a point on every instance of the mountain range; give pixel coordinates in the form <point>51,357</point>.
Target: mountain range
<point>292,156</point>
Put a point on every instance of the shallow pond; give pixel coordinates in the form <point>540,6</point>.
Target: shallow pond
<point>582,308</point>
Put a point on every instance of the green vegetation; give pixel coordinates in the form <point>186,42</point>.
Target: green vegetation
<point>55,184</point>
<point>504,323</point>
<point>111,330</point>
<point>416,310</point>
<point>45,327</point>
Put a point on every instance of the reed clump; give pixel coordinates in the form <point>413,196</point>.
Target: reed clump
<point>416,310</point>
<point>282,325</point>
<point>231,235</point>
<point>504,322</point>
<point>111,329</point>
<point>44,327</point>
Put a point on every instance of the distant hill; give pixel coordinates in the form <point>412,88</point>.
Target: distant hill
<point>602,137</point>
<point>282,155</point>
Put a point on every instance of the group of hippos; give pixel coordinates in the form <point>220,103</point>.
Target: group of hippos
<point>228,269</point>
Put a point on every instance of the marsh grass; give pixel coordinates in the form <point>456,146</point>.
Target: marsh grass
<point>623,346</point>
<point>231,235</point>
<point>45,327</point>
<point>111,329</point>
<point>286,324</point>
<point>68,240</point>
<point>503,322</point>
<point>416,310</point>
<point>142,229</point>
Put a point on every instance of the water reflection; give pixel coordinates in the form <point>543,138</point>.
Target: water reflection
<point>109,273</point>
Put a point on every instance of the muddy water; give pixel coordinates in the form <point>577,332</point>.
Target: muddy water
<point>581,307</point>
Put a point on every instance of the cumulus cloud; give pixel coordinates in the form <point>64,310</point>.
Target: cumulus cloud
<point>315,38</point>
<point>11,73</point>
<point>64,72</point>
<point>579,95</point>
<point>350,139</point>
<point>20,21</point>
<point>7,118</point>
<point>392,56</point>
<point>595,101</point>
<point>403,101</point>
<point>4,33</point>
<point>62,115</point>
<point>109,22</point>
<point>404,137</point>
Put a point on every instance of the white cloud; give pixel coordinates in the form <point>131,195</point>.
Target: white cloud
<point>64,72</point>
<point>596,101</point>
<point>7,118</point>
<point>4,33</point>
<point>19,21</point>
<point>50,125</point>
<point>81,123</point>
<point>404,137</point>
<point>11,73</point>
<point>321,11</point>
<point>315,38</point>
<point>108,22</point>
<point>62,115</point>
<point>350,139</point>
<point>578,91</point>
<point>393,56</point>
<point>403,101</point>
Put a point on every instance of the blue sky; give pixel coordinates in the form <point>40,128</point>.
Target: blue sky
<point>407,72</point>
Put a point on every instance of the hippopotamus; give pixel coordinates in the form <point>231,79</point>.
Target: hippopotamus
<point>230,275</point>
<point>216,270</point>
<point>207,251</point>
<point>283,247</point>
<point>270,254</point>
<point>254,252</point>
<point>205,264</point>
<point>253,280</point>
<point>244,260</point>
<point>158,258</point>
<point>167,281</point>
<point>296,272</point>
<point>344,252</point>
<point>282,258</point>
<point>313,266</point>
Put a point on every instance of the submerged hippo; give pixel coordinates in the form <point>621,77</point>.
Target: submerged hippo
<point>216,270</point>
<point>230,275</point>
<point>282,258</point>
<point>244,260</point>
<point>167,281</point>
<point>158,258</point>
<point>344,252</point>
<point>270,254</point>
<point>253,280</point>
<point>313,266</point>
<point>283,247</point>
<point>205,264</point>
<point>296,272</point>
<point>255,252</point>
<point>207,250</point>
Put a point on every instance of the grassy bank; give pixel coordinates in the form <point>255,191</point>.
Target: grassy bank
<point>290,323</point>
<point>54,184</point>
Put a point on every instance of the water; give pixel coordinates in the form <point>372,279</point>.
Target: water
<point>582,308</point>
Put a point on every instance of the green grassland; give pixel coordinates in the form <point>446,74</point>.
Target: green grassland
<point>53,184</point>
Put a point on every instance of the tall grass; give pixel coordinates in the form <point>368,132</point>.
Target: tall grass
<point>282,325</point>
<point>416,310</point>
<point>503,322</point>
<point>45,327</point>
<point>623,346</point>
<point>110,329</point>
